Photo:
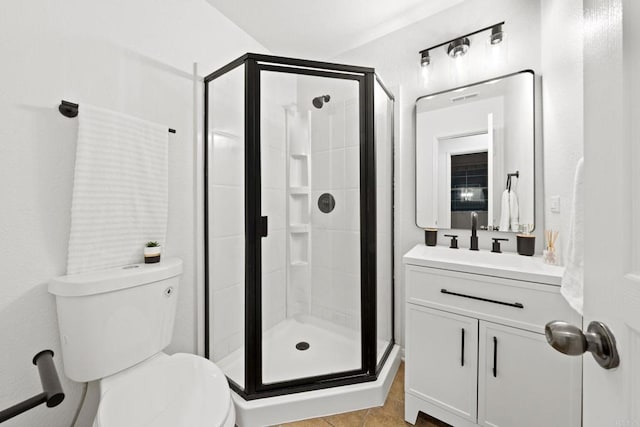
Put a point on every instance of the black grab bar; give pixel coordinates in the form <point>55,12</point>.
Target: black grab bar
<point>52,393</point>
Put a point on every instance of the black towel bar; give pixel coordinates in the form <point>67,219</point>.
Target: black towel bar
<point>52,393</point>
<point>69,109</point>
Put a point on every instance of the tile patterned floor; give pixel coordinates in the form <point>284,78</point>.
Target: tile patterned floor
<point>389,415</point>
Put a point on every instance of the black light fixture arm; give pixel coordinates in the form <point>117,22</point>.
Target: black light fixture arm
<point>424,51</point>
<point>70,109</point>
<point>52,393</point>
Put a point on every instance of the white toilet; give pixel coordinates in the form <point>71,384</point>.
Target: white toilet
<point>114,325</point>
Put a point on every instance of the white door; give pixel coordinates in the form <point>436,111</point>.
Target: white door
<point>612,206</point>
<point>441,359</point>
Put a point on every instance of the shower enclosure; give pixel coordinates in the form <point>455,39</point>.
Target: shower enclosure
<point>298,223</point>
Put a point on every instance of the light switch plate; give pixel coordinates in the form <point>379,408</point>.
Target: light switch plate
<point>555,204</point>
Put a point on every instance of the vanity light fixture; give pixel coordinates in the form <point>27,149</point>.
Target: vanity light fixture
<point>460,45</point>
<point>496,34</point>
<point>425,59</point>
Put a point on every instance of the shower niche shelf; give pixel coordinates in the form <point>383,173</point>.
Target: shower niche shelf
<point>299,191</point>
<point>299,209</point>
<point>299,244</point>
<point>299,170</point>
<point>298,228</point>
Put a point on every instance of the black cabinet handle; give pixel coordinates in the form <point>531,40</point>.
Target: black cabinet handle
<point>462,350</point>
<point>495,357</point>
<point>510,304</point>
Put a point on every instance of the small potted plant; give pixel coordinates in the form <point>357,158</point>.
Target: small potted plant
<point>152,252</point>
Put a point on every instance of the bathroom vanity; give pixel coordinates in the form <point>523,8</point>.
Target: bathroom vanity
<point>476,353</point>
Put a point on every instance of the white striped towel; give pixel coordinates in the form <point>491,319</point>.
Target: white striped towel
<point>120,190</point>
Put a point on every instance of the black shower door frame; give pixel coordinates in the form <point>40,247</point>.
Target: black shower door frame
<point>255,226</point>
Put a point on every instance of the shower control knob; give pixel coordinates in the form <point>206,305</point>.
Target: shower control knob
<point>570,340</point>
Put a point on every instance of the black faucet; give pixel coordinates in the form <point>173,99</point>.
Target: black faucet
<point>474,231</point>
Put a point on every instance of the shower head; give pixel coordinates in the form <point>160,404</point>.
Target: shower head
<point>319,101</point>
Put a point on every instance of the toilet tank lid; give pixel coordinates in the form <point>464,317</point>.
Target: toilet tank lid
<point>113,279</point>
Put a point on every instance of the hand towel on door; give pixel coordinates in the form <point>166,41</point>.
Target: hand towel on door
<point>120,189</point>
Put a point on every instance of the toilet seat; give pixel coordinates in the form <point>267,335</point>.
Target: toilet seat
<point>167,391</point>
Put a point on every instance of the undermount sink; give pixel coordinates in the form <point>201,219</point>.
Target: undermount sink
<point>506,265</point>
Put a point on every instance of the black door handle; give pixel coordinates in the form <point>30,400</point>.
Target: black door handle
<point>264,226</point>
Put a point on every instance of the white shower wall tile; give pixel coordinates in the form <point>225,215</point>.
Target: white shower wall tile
<point>335,249</point>
<point>319,219</point>
<point>352,210</point>
<point>345,251</point>
<point>320,248</point>
<point>345,291</point>
<point>273,298</point>
<point>274,206</point>
<point>352,168</point>
<point>226,261</point>
<point>273,169</point>
<point>227,203</point>
<point>320,131</point>
<point>321,170</point>
<point>321,289</point>
<point>352,124</point>
<point>228,318</point>
<point>273,251</point>
<point>337,168</point>
<point>337,217</point>
<point>337,125</point>
<point>299,290</point>
<point>227,161</point>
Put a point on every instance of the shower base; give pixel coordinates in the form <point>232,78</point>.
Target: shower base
<point>332,348</point>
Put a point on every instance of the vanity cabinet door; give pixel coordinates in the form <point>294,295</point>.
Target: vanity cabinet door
<point>524,382</point>
<point>441,359</point>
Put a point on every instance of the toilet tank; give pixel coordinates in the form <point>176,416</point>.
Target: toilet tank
<point>110,320</point>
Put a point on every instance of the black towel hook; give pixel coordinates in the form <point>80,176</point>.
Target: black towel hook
<point>509,175</point>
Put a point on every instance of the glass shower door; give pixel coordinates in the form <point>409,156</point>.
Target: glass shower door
<point>310,195</point>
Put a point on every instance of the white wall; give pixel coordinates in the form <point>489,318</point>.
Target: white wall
<point>135,57</point>
<point>396,59</point>
<point>562,99</point>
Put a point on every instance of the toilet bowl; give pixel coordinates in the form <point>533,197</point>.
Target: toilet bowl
<point>114,325</point>
<point>166,391</point>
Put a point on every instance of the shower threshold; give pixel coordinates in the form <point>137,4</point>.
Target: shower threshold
<point>287,408</point>
<point>331,349</point>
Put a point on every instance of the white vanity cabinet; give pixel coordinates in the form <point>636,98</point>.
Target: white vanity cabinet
<point>475,348</point>
<point>444,354</point>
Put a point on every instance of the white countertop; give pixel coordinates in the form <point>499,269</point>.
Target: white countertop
<point>507,265</point>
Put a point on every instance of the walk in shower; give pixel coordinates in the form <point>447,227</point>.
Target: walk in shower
<point>299,224</point>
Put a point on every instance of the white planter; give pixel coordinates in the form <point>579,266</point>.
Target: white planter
<point>152,255</point>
